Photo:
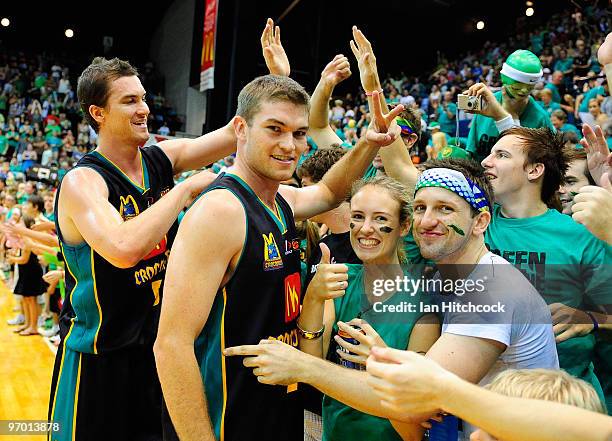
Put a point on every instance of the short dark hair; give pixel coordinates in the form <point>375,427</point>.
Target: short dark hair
<point>322,160</point>
<point>269,88</point>
<point>93,87</point>
<point>471,170</point>
<point>546,147</point>
<point>38,202</point>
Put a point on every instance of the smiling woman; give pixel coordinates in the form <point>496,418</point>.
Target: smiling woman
<point>380,218</point>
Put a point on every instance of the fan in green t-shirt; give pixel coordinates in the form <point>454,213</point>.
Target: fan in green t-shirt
<point>521,71</point>
<point>562,259</point>
<point>3,143</point>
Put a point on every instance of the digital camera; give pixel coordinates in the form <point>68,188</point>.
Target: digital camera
<point>471,103</point>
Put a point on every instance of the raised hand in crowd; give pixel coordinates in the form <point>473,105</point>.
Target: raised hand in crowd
<point>396,158</point>
<point>335,72</point>
<point>366,61</point>
<point>599,158</point>
<point>383,130</point>
<point>273,51</point>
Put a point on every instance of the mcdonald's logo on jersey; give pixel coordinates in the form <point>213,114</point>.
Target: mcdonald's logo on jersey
<point>293,290</point>
<point>128,208</point>
<point>272,257</point>
<point>160,248</point>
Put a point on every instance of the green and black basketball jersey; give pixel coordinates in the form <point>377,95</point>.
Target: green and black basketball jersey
<point>109,308</point>
<point>260,301</point>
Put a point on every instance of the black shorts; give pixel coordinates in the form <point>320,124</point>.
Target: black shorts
<point>114,396</point>
<point>55,302</point>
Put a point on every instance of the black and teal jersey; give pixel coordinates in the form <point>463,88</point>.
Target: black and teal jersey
<point>260,301</point>
<point>109,308</point>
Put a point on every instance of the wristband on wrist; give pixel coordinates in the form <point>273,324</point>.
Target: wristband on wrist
<point>309,335</point>
<point>595,324</point>
<point>505,123</point>
<point>371,93</point>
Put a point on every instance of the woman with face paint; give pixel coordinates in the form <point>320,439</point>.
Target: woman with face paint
<point>380,218</point>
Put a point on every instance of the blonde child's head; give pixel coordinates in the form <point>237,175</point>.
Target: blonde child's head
<point>543,384</point>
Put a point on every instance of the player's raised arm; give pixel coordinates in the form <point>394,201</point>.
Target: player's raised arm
<point>396,157</point>
<point>192,154</point>
<point>336,183</point>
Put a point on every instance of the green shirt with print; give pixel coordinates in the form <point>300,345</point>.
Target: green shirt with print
<point>566,264</point>
<point>341,422</point>
<point>484,134</point>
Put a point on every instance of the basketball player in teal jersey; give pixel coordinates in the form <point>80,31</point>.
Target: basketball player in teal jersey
<point>234,273</point>
<point>116,219</point>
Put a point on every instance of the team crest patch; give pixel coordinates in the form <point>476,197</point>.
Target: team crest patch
<point>129,207</point>
<point>272,257</point>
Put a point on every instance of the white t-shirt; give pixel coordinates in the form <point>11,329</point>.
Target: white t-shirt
<point>525,327</point>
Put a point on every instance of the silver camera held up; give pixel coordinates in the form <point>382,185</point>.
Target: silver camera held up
<point>471,103</point>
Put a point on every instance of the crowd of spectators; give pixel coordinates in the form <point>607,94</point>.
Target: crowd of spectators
<point>572,83</point>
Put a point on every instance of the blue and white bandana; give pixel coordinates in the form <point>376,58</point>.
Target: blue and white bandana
<point>457,183</point>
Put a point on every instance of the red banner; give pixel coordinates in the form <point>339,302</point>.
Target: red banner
<point>207,65</point>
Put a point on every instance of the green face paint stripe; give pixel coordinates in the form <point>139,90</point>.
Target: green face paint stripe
<point>351,225</point>
<point>457,229</point>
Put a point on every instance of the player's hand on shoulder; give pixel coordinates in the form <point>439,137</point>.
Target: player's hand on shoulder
<point>195,184</point>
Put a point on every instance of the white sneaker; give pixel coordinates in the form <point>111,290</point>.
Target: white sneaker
<point>18,320</point>
<point>53,330</point>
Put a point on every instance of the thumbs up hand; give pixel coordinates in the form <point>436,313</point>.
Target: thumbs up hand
<point>331,279</point>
